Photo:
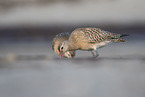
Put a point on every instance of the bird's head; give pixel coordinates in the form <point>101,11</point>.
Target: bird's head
<point>64,50</point>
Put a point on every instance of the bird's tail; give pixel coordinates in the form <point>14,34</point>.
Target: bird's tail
<point>117,40</point>
<point>124,35</point>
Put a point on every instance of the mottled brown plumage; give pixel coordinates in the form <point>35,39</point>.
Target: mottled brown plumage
<point>59,39</point>
<point>89,39</point>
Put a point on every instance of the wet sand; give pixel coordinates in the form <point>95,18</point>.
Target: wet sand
<point>32,69</point>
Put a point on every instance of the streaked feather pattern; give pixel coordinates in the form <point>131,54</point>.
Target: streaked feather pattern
<point>98,35</point>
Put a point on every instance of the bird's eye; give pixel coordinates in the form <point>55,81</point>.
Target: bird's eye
<point>61,48</point>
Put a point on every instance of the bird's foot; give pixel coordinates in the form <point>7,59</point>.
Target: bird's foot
<point>95,55</point>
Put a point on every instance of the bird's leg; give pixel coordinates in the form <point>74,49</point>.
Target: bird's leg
<point>93,53</point>
<point>97,54</point>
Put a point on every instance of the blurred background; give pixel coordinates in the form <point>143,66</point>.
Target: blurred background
<point>30,68</point>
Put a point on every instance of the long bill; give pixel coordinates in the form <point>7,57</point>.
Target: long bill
<point>61,55</point>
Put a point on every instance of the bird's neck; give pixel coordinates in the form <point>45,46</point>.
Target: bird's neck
<point>72,46</point>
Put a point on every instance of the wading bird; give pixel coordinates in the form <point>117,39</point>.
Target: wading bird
<point>89,39</point>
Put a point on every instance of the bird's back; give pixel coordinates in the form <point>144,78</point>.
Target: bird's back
<point>88,38</point>
<point>92,35</point>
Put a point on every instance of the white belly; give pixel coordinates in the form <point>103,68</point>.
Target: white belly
<point>101,44</point>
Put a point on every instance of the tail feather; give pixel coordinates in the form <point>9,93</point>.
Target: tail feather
<point>117,40</point>
<point>124,35</point>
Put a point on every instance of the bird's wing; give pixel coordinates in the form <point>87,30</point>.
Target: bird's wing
<point>98,35</point>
